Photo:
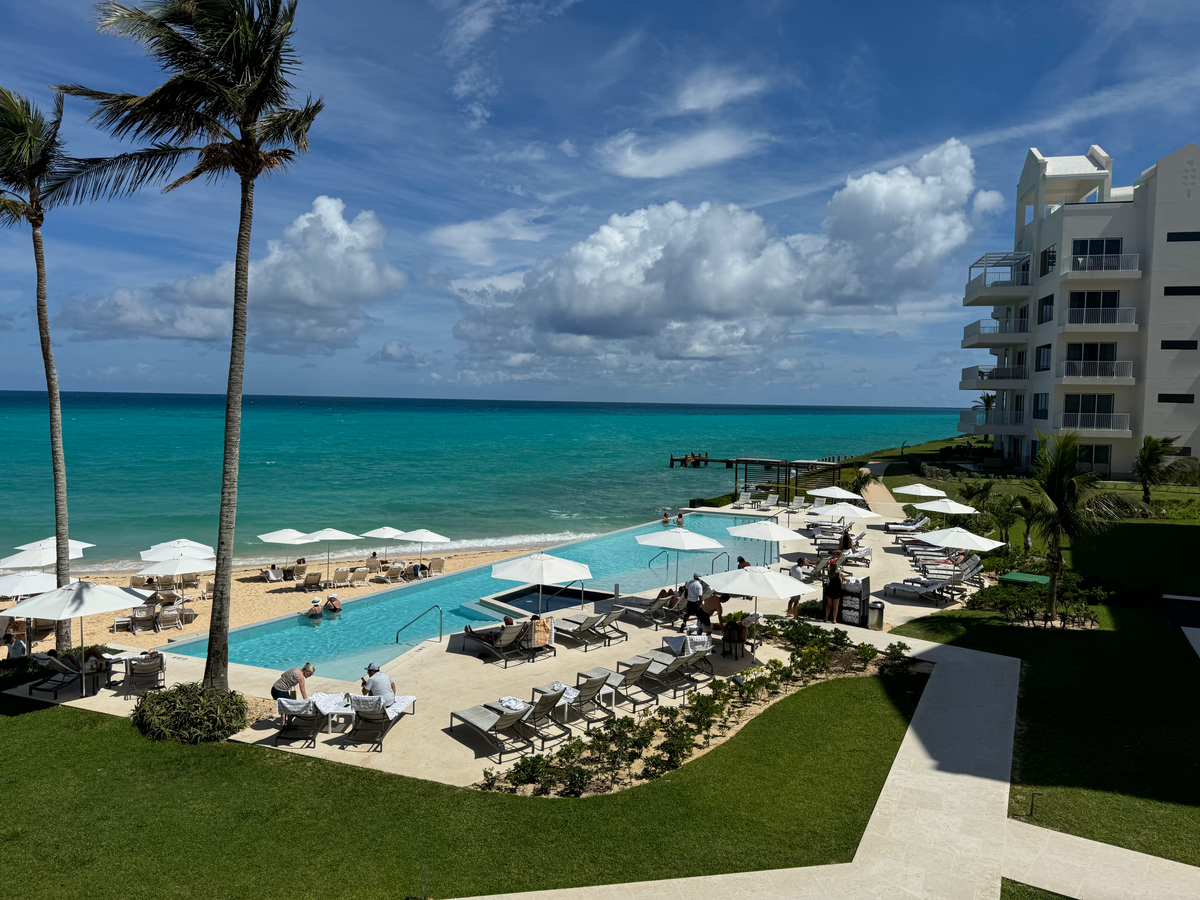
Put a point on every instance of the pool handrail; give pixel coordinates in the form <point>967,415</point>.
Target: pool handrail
<point>418,618</point>
<point>713,569</point>
<point>650,562</point>
<point>582,588</point>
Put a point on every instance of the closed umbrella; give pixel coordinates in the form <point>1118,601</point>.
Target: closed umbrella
<point>26,584</point>
<point>386,533</point>
<point>541,568</point>
<point>328,535</point>
<point>834,493</point>
<point>76,547</point>
<point>919,490</point>
<point>681,541</point>
<point>424,536</point>
<point>764,530</point>
<point>83,598</point>
<point>34,559</point>
<point>960,539</point>
<point>945,506</point>
<point>758,581</point>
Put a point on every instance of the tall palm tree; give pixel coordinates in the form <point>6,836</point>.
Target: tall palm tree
<point>1157,459</point>
<point>1027,512</point>
<point>32,156</point>
<point>224,105</point>
<point>1070,503</point>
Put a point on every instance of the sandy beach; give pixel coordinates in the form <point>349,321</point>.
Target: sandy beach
<point>253,599</point>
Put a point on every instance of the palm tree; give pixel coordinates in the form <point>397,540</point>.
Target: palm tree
<point>31,158</point>
<point>224,104</point>
<point>1027,512</point>
<point>977,494</point>
<point>1070,503</point>
<point>862,478</point>
<point>1155,462</point>
<point>1005,512</point>
<point>986,402</point>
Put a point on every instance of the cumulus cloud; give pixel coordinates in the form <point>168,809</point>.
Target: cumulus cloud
<point>568,148</point>
<point>473,241</point>
<point>939,362</point>
<point>711,88</point>
<point>401,355</point>
<point>307,295</point>
<point>987,202</point>
<point>627,155</point>
<point>712,285</point>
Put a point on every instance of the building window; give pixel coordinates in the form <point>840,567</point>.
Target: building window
<point>1179,345</point>
<point>1045,309</point>
<point>1176,398</point>
<point>1177,236</point>
<point>1049,260</point>
<point>1041,358</point>
<point>1182,290</point>
<point>1185,451</point>
<point>1097,247</point>
<point>1041,406</point>
<point>1095,457</point>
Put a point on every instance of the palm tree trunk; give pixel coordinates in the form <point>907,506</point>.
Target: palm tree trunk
<point>58,462</point>
<point>216,667</point>
<point>1028,537</point>
<point>1053,566</point>
<point>1146,492</point>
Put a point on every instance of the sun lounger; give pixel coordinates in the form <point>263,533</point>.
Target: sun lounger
<point>935,591</point>
<point>590,696</point>
<point>770,503</point>
<point>580,629</point>
<point>541,713</point>
<point>61,676</point>
<point>144,617</point>
<point>817,503</point>
<point>209,587</point>
<point>302,721</point>
<point>137,581</point>
<point>505,642</point>
<point>358,577</point>
<point>372,720</point>
<point>897,528</point>
<point>742,501</point>
<point>665,673</point>
<point>437,566</point>
<point>624,684</point>
<point>144,673</point>
<point>169,617</point>
<point>272,575</point>
<point>606,628</point>
<point>492,721</point>
<point>341,577</point>
<point>859,556</point>
<point>311,582</point>
<point>653,612</point>
<point>374,567</point>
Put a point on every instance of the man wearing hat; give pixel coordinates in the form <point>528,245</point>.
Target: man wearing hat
<point>694,590</point>
<point>376,684</point>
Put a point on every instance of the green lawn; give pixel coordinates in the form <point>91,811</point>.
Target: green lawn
<point>98,811</point>
<point>1108,723</point>
<point>1144,555</point>
<point>1014,890</point>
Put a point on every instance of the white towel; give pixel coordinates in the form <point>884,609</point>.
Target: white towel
<point>569,693</point>
<point>513,703</point>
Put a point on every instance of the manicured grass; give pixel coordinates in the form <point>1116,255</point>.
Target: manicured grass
<point>105,813</point>
<point>1127,554</point>
<point>1014,890</point>
<point>1107,723</point>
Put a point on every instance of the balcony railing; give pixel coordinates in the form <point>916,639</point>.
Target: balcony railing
<point>995,373</point>
<point>1093,421</point>
<point>998,279</point>
<point>1121,315</point>
<point>987,327</point>
<point>1105,262</point>
<point>985,417</point>
<point>1091,368</point>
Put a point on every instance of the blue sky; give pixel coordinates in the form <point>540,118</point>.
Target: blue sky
<point>760,202</point>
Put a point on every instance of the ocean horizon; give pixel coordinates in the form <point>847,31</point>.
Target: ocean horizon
<point>144,468</point>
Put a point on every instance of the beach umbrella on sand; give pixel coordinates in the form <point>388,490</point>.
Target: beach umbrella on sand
<point>764,530</point>
<point>834,493</point>
<point>758,581</point>
<point>386,533</point>
<point>960,539</point>
<point>919,490</point>
<point>424,536</point>
<point>681,541</point>
<point>289,536</point>
<point>26,584</point>
<point>180,548</point>
<point>83,598</point>
<point>34,559</point>
<point>76,548</point>
<point>541,568</point>
<point>183,566</point>
<point>328,535</point>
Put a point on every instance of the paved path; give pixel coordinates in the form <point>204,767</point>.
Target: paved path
<point>878,497</point>
<point>1193,636</point>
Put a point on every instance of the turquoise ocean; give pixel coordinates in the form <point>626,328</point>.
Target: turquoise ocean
<point>145,468</point>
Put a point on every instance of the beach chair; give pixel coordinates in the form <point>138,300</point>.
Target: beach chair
<point>302,721</point>
<point>189,581</point>
<point>540,638</point>
<point>505,642</point>
<point>147,673</point>
<point>372,720</point>
<point>60,676</point>
<point>665,673</point>
<point>137,581</point>
<point>817,503</point>
<point>859,556</point>
<point>299,571</point>
<point>144,617</point>
<point>311,582</point>
<point>541,714</point>
<point>626,684</point>
<point>606,628</point>
<point>492,721</point>
<point>164,583</point>
<point>770,503</point>
<point>341,577</point>
<point>898,528</point>
<point>580,629</point>
<point>209,587</point>
<point>743,500</point>
<point>590,696</point>
<point>437,566</point>
<point>652,612</point>
<point>169,617</point>
<point>358,577</point>
<point>374,567</point>
<point>272,575</point>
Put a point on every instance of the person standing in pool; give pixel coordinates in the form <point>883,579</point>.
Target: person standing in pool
<point>313,613</point>
<point>333,604</point>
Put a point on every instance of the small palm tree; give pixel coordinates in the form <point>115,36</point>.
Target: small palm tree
<point>1027,512</point>
<point>1070,503</point>
<point>1005,513</point>
<point>863,478</point>
<point>1157,460</point>
<point>225,104</point>
<point>977,495</point>
<point>32,156</point>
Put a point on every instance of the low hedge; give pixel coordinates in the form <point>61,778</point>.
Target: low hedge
<point>190,713</point>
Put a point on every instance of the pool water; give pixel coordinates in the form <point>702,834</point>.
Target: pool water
<point>341,645</point>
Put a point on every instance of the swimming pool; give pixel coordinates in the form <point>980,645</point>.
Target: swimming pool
<point>365,631</point>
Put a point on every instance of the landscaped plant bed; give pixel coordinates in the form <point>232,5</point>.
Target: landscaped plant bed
<point>624,751</point>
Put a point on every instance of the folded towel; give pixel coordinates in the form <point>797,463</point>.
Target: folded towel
<point>513,703</point>
<point>295,707</point>
<point>541,632</point>
<point>569,693</point>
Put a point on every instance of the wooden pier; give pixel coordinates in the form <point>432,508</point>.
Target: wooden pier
<point>782,476</point>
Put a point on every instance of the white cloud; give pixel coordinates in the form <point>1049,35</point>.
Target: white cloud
<point>626,155</point>
<point>987,202</point>
<point>710,285</point>
<point>940,361</point>
<point>307,295</point>
<point>711,88</point>
<point>568,148</point>
<point>473,240</point>
<point>401,355</point>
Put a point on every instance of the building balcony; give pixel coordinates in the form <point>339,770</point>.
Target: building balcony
<point>991,421</point>
<point>993,378</point>
<point>1115,425</point>
<point>1001,278</point>
<point>1103,267</point>
<point>1121,318</point>
<point>1108,372</point>
<point>995,333</point>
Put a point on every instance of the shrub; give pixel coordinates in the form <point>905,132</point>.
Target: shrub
<point>866,652</point>
<point>810,609</point>
<point>896,652</point>
<point>529,769</point>
<point>490,779</point>
<point>1015,562</point>
<point>190,713</point>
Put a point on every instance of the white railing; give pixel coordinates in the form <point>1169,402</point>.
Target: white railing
<point>985,417</point>
<point>1121,315</point>
<point>997,278</point>
<point>1105,262</point>
<point>1093,421</point>
<point>995,326</point>
<point>995,373</point>
<point>1094,368</point>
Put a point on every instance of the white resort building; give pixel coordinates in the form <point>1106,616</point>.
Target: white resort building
<point>1095,312</point>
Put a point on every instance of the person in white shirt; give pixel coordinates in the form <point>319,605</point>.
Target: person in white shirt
<point>694,590</point>
<point>16,646</point>
<point>376,684</point>
<point>797,572</point>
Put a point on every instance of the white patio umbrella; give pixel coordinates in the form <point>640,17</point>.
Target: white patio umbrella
<point>834,493</point>
<point>919,490</point>
<point>76,548</point>
<point>386,533</point>
<point>758,581</point>
<point>83,598</point>
<point>26,584</point>
<point>681,541</point>
<point>541,568</point>
<point>328,535</point>
<point>180,548</point>
<point>34,559</point>
<point>945,506</point>
<point>181,566</point>
<point>764,530</point>
<point>847,511</point>
<point>289,536</point>
<point>424,536</point>
<point>960,539</point>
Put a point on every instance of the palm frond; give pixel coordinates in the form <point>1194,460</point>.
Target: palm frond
<point>12,211</point>
<point>216,161</point>
<point>114,176</point>
<point>284,126</point>
<point>179,110</point>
